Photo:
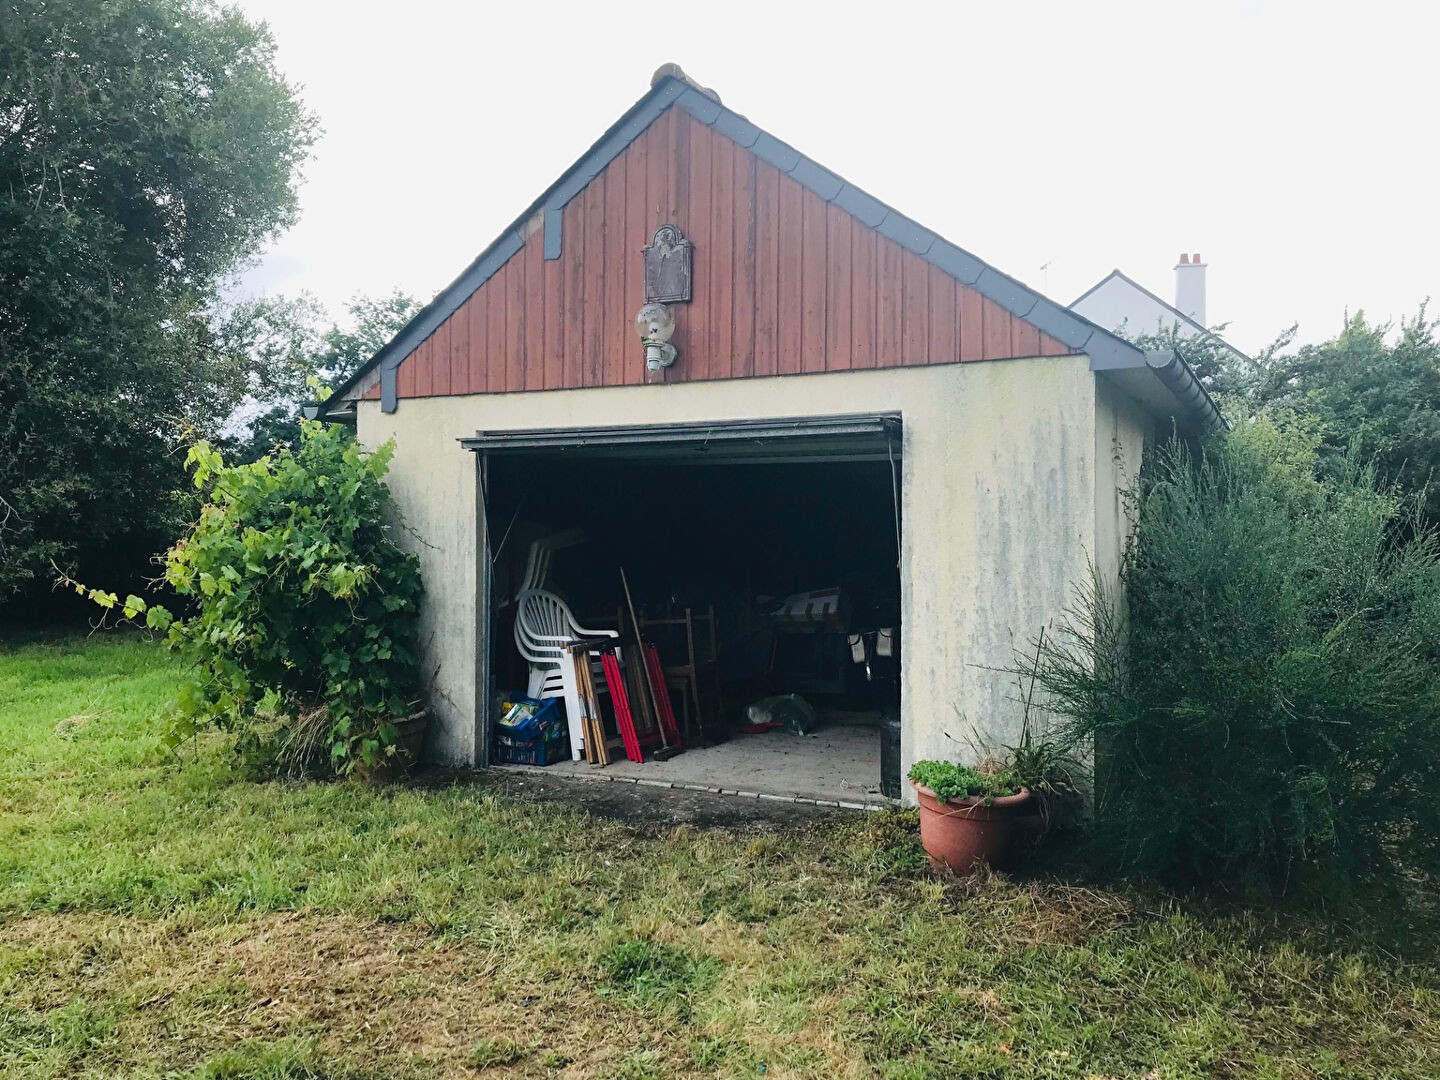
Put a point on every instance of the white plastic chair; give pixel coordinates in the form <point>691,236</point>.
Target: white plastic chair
<point>544,630</point>
<point>542,551</point>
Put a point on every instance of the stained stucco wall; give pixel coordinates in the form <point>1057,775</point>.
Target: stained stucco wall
<point>999,499</point>
<point>1121,431</point>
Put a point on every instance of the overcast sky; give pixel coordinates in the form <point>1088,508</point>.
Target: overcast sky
<point>1291,143</point>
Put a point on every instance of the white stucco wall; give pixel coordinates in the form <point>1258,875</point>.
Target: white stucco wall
<point>999,499</point>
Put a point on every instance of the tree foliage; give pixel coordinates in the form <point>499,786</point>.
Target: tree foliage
<point>1266,706</point>
<point>1374,393</point>
<point>146,147</point>
<point>1232,377</point>
<point>304,607</point>
<point>288,345</point>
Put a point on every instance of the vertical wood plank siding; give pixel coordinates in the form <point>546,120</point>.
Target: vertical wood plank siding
<point>784,283</point>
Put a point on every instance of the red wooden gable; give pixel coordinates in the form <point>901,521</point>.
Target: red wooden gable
<point>784,283</point>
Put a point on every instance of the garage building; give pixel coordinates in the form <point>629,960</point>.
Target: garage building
<point>832,401</point>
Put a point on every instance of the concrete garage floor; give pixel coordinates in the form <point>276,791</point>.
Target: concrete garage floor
<point>837,766</point>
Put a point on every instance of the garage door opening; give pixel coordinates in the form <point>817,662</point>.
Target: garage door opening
<point>763,564</point>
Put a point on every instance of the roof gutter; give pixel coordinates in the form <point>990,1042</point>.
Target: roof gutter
<point>1121,361</point>
<point>1180,379</point>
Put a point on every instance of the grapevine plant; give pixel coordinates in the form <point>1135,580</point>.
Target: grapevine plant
<point>301,607</point>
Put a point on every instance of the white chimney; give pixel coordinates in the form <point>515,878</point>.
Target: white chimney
<point>1190,288</point>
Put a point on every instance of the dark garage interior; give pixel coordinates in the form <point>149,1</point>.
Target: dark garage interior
<point>774,583</point>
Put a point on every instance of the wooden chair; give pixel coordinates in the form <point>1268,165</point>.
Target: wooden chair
<point>679,633</point>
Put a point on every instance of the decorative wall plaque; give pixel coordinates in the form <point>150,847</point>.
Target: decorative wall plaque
<point>667,266</point>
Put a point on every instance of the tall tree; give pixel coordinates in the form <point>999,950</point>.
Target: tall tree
<point>147,147</point>
<point>285,344</point>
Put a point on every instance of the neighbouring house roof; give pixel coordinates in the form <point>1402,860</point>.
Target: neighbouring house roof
<point>1162,382</point>
<point>1168,311</point>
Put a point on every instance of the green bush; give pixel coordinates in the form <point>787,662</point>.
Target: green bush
<point>1264,706</point>
<point>302,636</point>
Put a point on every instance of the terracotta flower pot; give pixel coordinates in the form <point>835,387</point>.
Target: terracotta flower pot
<point>963,834</point>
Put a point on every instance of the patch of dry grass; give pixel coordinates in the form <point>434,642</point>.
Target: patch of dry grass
<point>380,997</point>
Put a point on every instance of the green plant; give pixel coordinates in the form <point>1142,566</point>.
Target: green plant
<point>1044,760</point>
<point>1048,767</point>
<point>951,781</point>
<point>1263,700</point>
<point>302,637</point>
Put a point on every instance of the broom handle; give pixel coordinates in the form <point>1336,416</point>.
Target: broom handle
<point>644,664</point>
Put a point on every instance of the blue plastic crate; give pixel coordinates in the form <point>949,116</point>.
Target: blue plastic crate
<point>538,752</point>
<point>545,720</point>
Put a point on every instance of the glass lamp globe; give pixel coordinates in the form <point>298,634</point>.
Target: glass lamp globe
<point>654,322</point>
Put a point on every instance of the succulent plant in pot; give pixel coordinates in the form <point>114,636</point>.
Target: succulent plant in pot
<point>967,815</point>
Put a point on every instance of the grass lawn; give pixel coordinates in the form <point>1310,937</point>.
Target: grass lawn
<point>164,921</point>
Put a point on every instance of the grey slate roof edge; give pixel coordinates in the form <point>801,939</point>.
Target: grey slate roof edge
<point>1069,328</point>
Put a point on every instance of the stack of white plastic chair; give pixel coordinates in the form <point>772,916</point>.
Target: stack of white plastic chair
<point>542,551</point>
<point>545,628</point>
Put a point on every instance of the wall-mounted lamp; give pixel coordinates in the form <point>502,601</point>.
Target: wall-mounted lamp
<point>655,325</point>
<point>310,410</point>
